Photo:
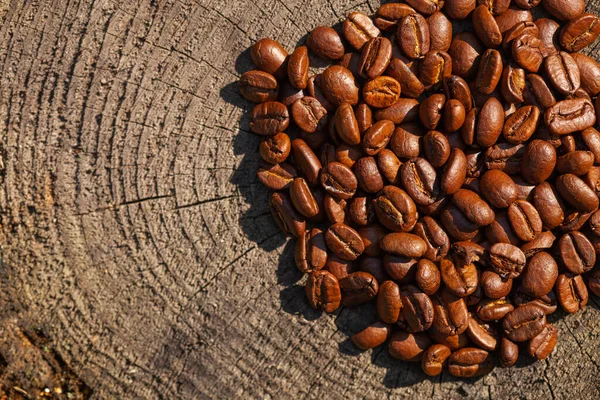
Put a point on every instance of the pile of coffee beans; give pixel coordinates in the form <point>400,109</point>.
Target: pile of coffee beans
<point>452,178</point>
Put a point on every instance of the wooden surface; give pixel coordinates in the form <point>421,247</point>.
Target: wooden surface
<point>138,258</point>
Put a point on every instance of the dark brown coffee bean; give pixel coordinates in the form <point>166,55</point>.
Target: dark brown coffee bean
<point>381,92</point>
<point>549,205</point>
<point>437,148</point>
<point>440,30</point>
<point>540,275</point>
<point>490,122</point>
<point>525,220</point>
<point>388,15</point>
<point>517,30</point>
<point>326,43</point>
<point>537,92</point>
<point>373,336</point>
<point>357,288</point>
<point>368,176</point>
<point>473,207</point>
<point>575,162</point>
<point>404,244</point>
<point>571,292</point>
<point>470,362</point>
<point>417,309</point>
<point>580,32</point>
<point>465,51</point>
<point>289,94</point>
<point>527,4</point>
<point>547,304</point>
<point>411,85</point>
<point>358,29</point>
<point>565,11</point>
<point>435,238</point>
<point>315,89</point>
<point>270,56</point>
<point>436,66</point>
<point>509,353</point>
<point>408,346</point>
<point>434,359</point>
<point>405,142</point>
<point>373,266</point>
<point>507,260</point>
<point>395,209</point>
<point>259,87</point>
<point>457,225</point>
<point>591,138</point>
<point>521,125</point>
<point>346,124</point>
<point>389,165</point>
<point>511,17</point>
<point>494,286</point>
<point>577,193</point>
<point>287,218</point>
<point>460,280</point>
<point>426,7</point>
<point>303,199</point>
<point>482,334</point>
<point>430,111</point>
<point>269,118</point>
<point>339,180</point>
<point>490,71</point>
<point>375,57</point>
<point>456,88</point>
<point>512,84</point>
<point>467,252</point>
<point>589,71</point>
<point>377,137</point>
<point>577,252</point>
<point>344,241</point>
<point>419,180</point>
<point>544,343</point>
<point>455,172</point>
<point>338,267</point>
<point>498,188</point>
<point>538,162</point>
<point>364,117</point>
<point>404,110</point>
<point>275,149</point>
<point>451,316</point>
<point>323,291</point>
<point>570,116</point>
<point>306,161</point>
<point>309,114</point>
<point>399,268</point>
<point>496,7</point>
<point>413,35</point>
<point>527,52</point>
<point>275,176</point>
<point>371,236</point>
<point>339,85</point>
<point>298,68</point>
<point>454,115</point>
<point>486,27</point>
<point>524,323</point>
<point>563,73</point>
<point>428,277</point>
<point>389,304</point>
<point>310,253</point>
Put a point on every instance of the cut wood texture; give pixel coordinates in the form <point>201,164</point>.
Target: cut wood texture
<point>138,258</point>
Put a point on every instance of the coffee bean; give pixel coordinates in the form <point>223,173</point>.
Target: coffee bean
<point>509,353</point>
<point>544,343</point>
<point>404,244</point>
<point>575,162</point>
<point>542,242</point>
<point>473,207</point>
<point>259,86</point>
<point>564,11</point>
<point>494,309</point>
<point>409,82</point>
<point>404,110</point>
<point>577,193</point>
<point>375,57</point>
<point>517,30</point>
<point>537,92</point>
<point>538,161</point>
<point>368,176</point>
<point>580,32</point>
<point>486,27</point>
<point>527,4</point>
<point>358,29</point>
<point>594,282</point>
<point>512,84</point>
<point>547,304</point>
<point>459,9</point>
<point>437,148</point>
<point>377,137</point>
<point>511,17</point>
<point>399,268</point>
<point>298,68</point>
<point>436,66</point>
<point>507,260</point>
<point>501,231</point>
<point>413,35</point>
<point>460,280</point>
<point>434,358</point>
<point>540,275</point>
<point>482,333</point>
<point>428,276</point>
<point>525,220</point>
<point>527,52</point>
<point>457,225</point>
<point>454,115</point>
<point>344,241</point>
<point>303,199</point>
<point>576,252</point>
<point>373,336</point>
<point>408,346</point>
<point>388,15</point>
<point>498,188</point>
<point>571,292</point>
<point>405,142</point>
<point>309,114</point>
<point>470,362</point>
<point>270,56</point>
<point>358,288</point>
<point>589,71</point>
<point>563,72</point>
<point>381,92</point>
<point>440,31</point>
<point>431,109</point>
<point>275,149</point>
<point>389,304</point>
<point>456,88</point>
<point>455,172</point>
<point>570,116</point>
<point>286,217</point>
<point>338,267</point>
<point>310,253</point>
<point>490,122</point>
<point>524,323</point>
<point>323,291</point>
<point>334,209</point>
<point>326,43</point>
<point>451,316</point>
<point>395,209</point>
<point>269,118</point>
<point>306,161</point>
<point>494,286</point>
<point>419,180</point>
<point>275,176</point>
<point>521,125</point>
<point>389,165</point>
<point>417,309</point>
<point>339,85</point>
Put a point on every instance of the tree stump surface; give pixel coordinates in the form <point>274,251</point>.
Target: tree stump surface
<point>138,257</point>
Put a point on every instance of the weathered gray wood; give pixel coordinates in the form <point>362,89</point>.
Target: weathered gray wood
<point>138,257</point>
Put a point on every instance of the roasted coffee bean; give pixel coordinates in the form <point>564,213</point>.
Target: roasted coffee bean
<point>512,84</point>
<point>594,282</point>
<point>500,231</point>
<point>404,110</point>
<point>494,309</point>
<point>434,359</point>
<point>589,71</point>
<point>388,15</point>
<point>417,309</point>
<point>358,29</point>
<point>591,138</point>
<point>542,242</point>
<point>509,353</point>
<point>326,43</point>
<point>306,161</point>
<point>406,141</point>
<point>395,209</point>
<point>459,9</point>
<point>576,252</point>
<point>335,209</point>
<point>473,207</point>
<point>339,85</point>
<point>456,88</point>
<point>549,205</point>
<point>419,179</point>
<point>435,238</point>
<point>323,291</point>
<point>570,116</point>
<point>375,57</point>
<point>410,83</point>
<point>525,220</point>
<point>563,72</point>
<point>454,115</point>
<point>527,52</point>
<point>259,86</point>
<point>360,210</point>
<point>547,304</point>
<point>490,71</point>
<point>377,137</point>
<point>544,343</point>
<point>451,316</point>
<point>344,241</point>
<point>467,252</point>
<point>571,292</point>
<point>498,188</point>
<point>565,11</point>
<point>575,162</point>
<point>338,267</point>
<point>371,236</point>
<point>486,27</point>
<point>408,346</point>
<point>275,149</point>
<point>431,109</point>
<point>368,176</point>
<point>457,225</point>
<point>381,92</point>
<point>540,275</point>
<point>286,217</point>
<point>577,193</point>
<point>428,277</point>
<point>373,266</point>
<point>521,125</point>
<point>373,336</point>
<point>482,334</point>
<point>538,93</point>
<point>470,362</point>
<point>507,260</point>
<point>347,155</point>
<point>275,176</point>
<point>315,89</point>
<point>475,163</point>
<point>511,17</point>
<point>310,253</point>
<point>517,30</point>
<point>399,268</point>
<point>527,4</point>
<point>269,118</point>
<point>389,165</point>
<point>270,56</point>
<point>346,124</point>
<point>289,94</point>
<point>413,35</point>
<point>580,32</point>
<point>496,7</point>
<point>303,199</point>
<point>426,7</point>
<point>524,323</point>
<point>358,288</point>
<point>460,280</point>
<point>490,121</point>
<point>404,244</point>
<point>538,162</point>
<point>298,68</point>
<point>436,66</point>
<point>437,148</point>
<point>548,33</point>
<point>440,31</point>
<point>364,117</point>
<point>455,172</point>
<point>309,114</point>
<point>389,304</point>
<point>494,286</point>
<point>465,51</point>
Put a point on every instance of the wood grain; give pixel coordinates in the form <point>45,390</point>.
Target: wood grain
<point>138,258</point>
